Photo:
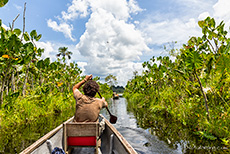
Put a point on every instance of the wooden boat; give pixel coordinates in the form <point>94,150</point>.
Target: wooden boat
<point>115,95</point>
<point>120,95</point>
<point>111,141</point>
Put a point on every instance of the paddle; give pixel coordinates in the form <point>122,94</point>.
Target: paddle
<point>113,118</point>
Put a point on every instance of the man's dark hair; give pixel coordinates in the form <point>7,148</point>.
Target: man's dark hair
<point>91,88</point>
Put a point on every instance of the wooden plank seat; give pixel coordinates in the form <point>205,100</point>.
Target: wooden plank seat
<point>81,134</point>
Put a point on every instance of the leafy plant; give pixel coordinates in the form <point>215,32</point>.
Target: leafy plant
<point>198,75</point>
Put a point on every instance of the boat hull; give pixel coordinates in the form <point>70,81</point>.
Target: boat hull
<point>111,142</point>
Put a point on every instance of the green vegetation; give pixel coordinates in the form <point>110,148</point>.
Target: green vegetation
<point>3,2</point>
<point>194,89</point>
<point>15,139</point>
<point>31,87</point>
<point>111,80</point>
<point>118,89</point>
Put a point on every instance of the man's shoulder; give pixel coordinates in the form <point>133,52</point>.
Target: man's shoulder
<point>77,93</point>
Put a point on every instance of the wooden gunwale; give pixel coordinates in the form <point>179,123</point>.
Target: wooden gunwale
<point>127,146</point>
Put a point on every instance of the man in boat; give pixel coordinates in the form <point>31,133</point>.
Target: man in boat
<point>87,106</point>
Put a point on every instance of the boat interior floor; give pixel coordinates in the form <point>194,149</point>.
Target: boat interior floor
<point>85,150</point>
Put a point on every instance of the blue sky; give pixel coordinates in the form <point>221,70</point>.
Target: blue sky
<point>113,36</point>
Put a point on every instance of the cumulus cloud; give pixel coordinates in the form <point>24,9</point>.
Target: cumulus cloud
<point>113,44</point>
<point>65,28</point>
<point>121,9</point>
<point>222,12</point>
<point>219,12</point>
<point>170,30</point>
<point>6,27</point>
<point>49,50</point>
<point>109,43</point>
<point>221,8</point>
<point>19,8</point>
<point>165,27</point>
<point>203,15</point>
<point>82,65</point>
<point>78,8</point>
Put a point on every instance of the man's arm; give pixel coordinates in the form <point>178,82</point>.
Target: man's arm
<point>105,104</point>
<point>79,84</point>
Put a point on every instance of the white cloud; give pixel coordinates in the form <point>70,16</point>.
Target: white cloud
<point>133,7</point>
<point>121,9</point>
<point>19,8</point>
<point>170,30</point>
<point>49,49</point>
<point>203,15</point>
<point>126,73</point>
<point>4,26</point>
<point>82,65</point>
<point>63,27</point>
<point>78,8</point>
<point>109,44</point>
<point>222,12</point>
<point>221,8</point>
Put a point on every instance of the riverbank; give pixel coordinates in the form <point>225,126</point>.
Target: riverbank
<point>182,116</point>
<point>178,136</point>
<point>28,108</point>
<point>28,118</point>
<point>16,138</point>
<point>191,85</point>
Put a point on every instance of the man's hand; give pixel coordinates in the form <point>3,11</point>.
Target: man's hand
<point>88,77</point>
<point>79,84</point>
<point>105,103</point>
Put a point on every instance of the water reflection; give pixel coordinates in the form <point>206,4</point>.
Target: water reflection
<point>158,134</point>
<point>15,139</point>
<point>146,133</point>
<point>141,140</point>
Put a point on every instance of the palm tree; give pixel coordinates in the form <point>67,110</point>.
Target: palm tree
<point>63,51</point>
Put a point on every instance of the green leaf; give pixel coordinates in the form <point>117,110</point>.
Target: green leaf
<point>33,34</point>
<point>3,2</point>
<point>47,62</point>
<point>17,31</point>
<point>194,60</point>
<point>26,36</point>
<point>201,24</point>
<point>223,63</point>
<point>40,64</point>
<point>227,48</point>
<point>206,135</point>
<point>38,37</point>
<point>53,66</point>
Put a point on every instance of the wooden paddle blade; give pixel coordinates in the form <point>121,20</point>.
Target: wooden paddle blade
<point>113,119</point>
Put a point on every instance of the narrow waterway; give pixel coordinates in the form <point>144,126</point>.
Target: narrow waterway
<point>141,140</point>
<point>165,137</point>
<point>147,135</point>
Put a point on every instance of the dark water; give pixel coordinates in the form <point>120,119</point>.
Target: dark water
<point>147,134</point>
<point>18,137</point>
<point>157,135</point>
<point>141,140</point>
